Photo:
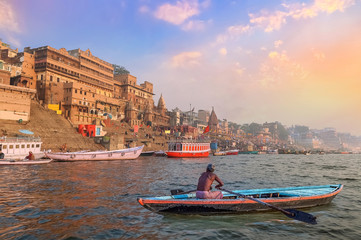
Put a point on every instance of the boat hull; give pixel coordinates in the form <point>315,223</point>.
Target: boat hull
<point>123,154</point>
<point>299,197</point>
<point>232,152</point>
<point>176,154</point>
<point>24,162</point>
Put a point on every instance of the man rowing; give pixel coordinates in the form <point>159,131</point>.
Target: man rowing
<point>205,184</point>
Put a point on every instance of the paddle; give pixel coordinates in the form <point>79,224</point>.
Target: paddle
<point>180,191</point>
<point>291,213</point>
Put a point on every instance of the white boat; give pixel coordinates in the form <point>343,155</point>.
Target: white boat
<point>18,148</point>
<point>122,154</point>
<point>22,162</point>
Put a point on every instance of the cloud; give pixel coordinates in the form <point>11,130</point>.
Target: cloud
<point>278,43</point>
<point>8,21</point>
<point>233,32</point>
<point>268,21</point>
<point>271,21</point>
<point>178,13</point>
<point>197,25</point>
<point>143,9</point>
<point>186,59</point>
<point>279,68</point>
<point>223,51</point>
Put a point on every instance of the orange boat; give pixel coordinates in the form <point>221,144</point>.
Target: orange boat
<point>188,149</point>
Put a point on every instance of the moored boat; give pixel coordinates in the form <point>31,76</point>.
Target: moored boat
<point>232,152</point>
<point>290,197</point>
<point>17,148</point>
<point>188,149</point>
<point>160,153</point>
<point>122,154</point>
<point>24,162</point>
<point>147,153</point>
<point>220,153</point>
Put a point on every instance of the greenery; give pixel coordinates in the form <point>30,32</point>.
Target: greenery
<point>118,70</point>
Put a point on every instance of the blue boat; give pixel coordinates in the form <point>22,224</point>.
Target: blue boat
<point>290,197</point>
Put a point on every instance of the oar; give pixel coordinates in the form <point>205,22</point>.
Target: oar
<point>180,191</point>
<point>291,213</point>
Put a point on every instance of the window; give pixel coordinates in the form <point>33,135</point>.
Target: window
<point>37,145</point>
<point>51,78</point>
<point>22,145</point>
<point>58,80</point>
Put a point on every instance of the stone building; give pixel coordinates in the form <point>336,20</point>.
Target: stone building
<point>83,85</point>
<point>20,65</point>
<point>15,102</point>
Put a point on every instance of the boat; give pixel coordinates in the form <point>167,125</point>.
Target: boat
<point>248,152</point>
<point>148,153</point>
<point>220,153</point>
<point>17,148</point>
<point>188,149</point>
<point>232,152</point>
<point>24,162</point>
<point>122,154</point>
<point>289,197</point>
<point>160,153</point>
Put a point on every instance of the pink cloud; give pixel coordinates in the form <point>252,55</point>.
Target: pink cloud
<point>178,13</point>
<point>186,59</point>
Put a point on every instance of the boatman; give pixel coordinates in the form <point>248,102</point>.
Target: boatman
<point>204,184</point>
<point>30,156</point>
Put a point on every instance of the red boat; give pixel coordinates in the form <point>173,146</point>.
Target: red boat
<point>188,149</point>
<point>232,152</point>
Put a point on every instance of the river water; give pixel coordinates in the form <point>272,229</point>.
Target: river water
<point>97,200</point>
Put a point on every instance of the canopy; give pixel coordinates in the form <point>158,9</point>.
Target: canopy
<point>26,131</point>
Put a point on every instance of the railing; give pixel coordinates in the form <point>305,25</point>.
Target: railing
<point>189,141</point>
<point>20,139</point>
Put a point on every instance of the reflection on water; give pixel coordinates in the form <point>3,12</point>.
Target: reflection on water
<point>98,199</point>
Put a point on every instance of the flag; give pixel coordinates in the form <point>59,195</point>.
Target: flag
<point>206,129</point>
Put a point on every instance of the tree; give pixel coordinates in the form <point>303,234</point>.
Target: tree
<point>118,70</point>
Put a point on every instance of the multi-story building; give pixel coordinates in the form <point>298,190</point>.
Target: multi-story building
<point>20,66</point>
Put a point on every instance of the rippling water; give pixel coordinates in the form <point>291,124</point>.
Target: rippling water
<point>97,200</point>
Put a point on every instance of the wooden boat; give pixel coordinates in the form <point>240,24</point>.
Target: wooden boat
<point>290,197</point>
<point>148,153</point>
<point>122,154</point>
<point>22,162</point>
<point>232,152</point>
<point>160,154</point>
<point>188,149</point>
<point>219,154</point>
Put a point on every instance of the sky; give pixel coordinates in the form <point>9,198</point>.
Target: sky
<point>295,62</point>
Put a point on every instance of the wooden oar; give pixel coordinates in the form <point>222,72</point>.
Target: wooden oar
<point>180,191</point>
<point>291,213</point>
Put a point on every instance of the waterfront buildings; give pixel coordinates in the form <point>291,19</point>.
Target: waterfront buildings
<point>82,85</point>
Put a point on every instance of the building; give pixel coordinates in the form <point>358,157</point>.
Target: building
<point>213,122</point>
<point>15,102</point>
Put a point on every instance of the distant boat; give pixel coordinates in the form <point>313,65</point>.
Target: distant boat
<point>221,153</point>
<point>160,153</point>
<point>148,153</point>
<point>248,152</point>
<point>24,162</point>
<point>232,152</point>
<point>188,149</point>
<point>18,148</point>
<point>122,154</point>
